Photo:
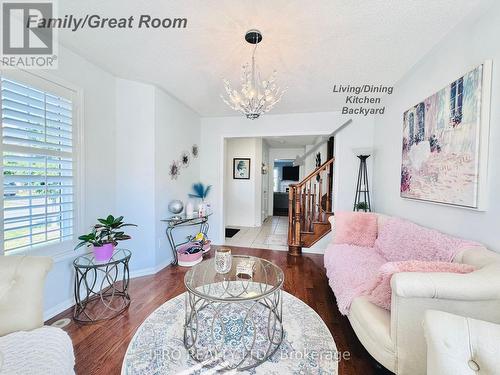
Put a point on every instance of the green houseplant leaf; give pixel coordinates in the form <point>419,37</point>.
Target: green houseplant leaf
<point>105,232</point>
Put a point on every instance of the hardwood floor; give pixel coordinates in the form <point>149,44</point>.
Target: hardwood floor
<point>100,348</point>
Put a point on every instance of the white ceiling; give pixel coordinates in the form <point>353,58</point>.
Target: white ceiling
<point>293,141</point>
<point>312,44</point>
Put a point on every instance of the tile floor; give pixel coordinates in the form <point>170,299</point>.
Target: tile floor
<point>273,235</point>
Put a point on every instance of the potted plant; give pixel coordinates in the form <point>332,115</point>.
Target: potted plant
<point>362,206</point>
<point>200,192</point>
<point>104,237</point>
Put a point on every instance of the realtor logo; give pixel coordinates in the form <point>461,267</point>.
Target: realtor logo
<point>20,36</point>
<point>25,44</point>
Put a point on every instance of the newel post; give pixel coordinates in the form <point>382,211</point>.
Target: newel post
<point>294,214</point>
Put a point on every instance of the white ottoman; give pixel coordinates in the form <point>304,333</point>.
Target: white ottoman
<point>42,351</point>
<point>461,346</point>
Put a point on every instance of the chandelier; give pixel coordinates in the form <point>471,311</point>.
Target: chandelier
<point>256,96</point>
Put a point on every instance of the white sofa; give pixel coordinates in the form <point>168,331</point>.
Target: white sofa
<point>461,346</point>
<point>26,346</point>
<point>395,338</point>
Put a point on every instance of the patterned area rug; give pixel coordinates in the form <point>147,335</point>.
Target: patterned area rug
<point>157,347</point>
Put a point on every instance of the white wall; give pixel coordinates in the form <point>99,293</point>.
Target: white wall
<point>310,161</point>
<point>98,161</point>
<point>135,167</point>
<point>153,130</point>
<point>215,129</point>
<point>177,129</point>
<point>345,174</point>
<point>242,198</point>
<point>470,44</point>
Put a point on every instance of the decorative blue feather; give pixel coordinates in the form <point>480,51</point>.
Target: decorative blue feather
<point>200,191</point>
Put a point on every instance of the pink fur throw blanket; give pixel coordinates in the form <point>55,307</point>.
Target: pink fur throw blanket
<point>400,240</point>
<point>348,268</point>
<point>355,228</point>
<point>379,289</point>
<point>353,270</point>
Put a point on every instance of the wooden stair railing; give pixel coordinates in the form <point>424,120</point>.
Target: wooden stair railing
<point>309,207</point>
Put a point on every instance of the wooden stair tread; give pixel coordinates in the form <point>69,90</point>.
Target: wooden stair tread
<point>309,240</point>
<point>320,228</point>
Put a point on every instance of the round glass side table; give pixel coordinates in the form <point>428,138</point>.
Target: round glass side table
<point>101,288</point>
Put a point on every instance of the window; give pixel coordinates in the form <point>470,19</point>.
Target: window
<point>276,180</point>
<point>456,99</point>
<point>420,136</point>
<point>38,165</point>
<point>411,125</point>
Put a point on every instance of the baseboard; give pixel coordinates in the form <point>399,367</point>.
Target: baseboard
<point>57,309</point>
<point>151,270</point>
<point>60,307</point>
<point>313,250</point>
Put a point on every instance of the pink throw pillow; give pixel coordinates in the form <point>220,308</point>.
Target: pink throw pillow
<point>379,290</point>
<point>355,228</point>
<point>400,240</point>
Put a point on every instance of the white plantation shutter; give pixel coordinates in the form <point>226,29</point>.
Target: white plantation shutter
<point>38,165</point>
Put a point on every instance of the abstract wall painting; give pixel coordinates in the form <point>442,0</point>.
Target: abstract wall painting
<point>445,141</point>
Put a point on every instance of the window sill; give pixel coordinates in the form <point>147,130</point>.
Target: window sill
<point>59,252</point>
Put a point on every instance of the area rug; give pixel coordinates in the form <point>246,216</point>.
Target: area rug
<point>157,346</point>
<point>230,232</point>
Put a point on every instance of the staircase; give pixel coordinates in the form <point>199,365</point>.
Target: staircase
<point>309,207</point>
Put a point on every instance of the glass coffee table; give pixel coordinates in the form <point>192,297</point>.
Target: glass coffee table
<point>233,321</point>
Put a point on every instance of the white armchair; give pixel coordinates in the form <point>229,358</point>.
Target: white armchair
<point>26,346</point>
<point>461,346</point>
<point>476,295</point>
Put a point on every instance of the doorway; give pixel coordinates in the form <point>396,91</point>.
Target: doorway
<point>258,206</point>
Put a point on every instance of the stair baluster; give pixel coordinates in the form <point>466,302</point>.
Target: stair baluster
<point>320,198</point>
<point>311,205</point>
<point>328,203</point>
<point>291,215</point>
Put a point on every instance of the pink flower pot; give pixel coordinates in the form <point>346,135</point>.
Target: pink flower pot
<point>104,252</point>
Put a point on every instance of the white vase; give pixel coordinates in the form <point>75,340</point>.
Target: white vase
<point>189,209</point>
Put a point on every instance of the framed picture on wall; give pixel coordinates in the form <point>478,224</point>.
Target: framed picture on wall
<point>241,168</point>
<point>445,143</point>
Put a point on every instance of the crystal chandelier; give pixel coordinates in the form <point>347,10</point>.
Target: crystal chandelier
<point>256,96</point>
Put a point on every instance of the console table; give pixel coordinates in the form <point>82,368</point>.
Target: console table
<point>178,221</point>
